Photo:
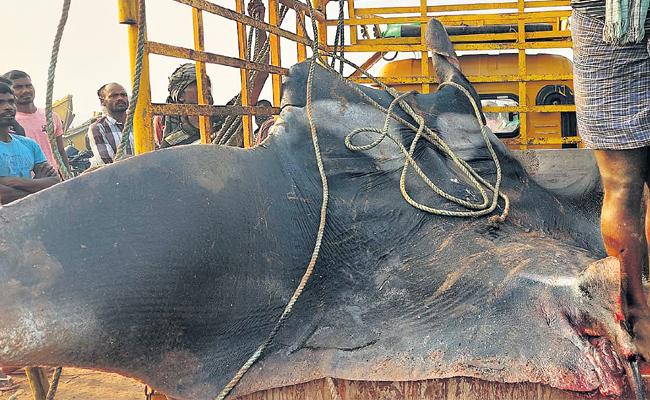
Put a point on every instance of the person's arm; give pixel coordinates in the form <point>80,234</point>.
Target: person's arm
<point>58,132</point>
<point>256,9</point>
<point>44,177</point>
<point>28,185</point>
<point>102,150</point>
<point>64,155</point>
<point>9,194</point>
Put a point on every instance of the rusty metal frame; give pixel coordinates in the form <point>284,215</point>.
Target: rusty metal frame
<point>143,130</point>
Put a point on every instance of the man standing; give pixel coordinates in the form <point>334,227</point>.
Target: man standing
<point>19,157</point>
<point>105,134</point>
<point>17,129</point>
<point>611,60</point>
<point>173,130</point>
<point>33,119</point>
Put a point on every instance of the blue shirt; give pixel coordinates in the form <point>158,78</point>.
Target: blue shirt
<point>18,157</point>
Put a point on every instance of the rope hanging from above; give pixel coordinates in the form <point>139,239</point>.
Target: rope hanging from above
<point>130,112</point>
<point>50,90</point>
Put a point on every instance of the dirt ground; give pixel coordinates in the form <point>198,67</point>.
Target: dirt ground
<point>80,384</point>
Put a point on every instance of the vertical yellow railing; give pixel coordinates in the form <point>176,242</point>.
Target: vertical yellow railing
<point>244,76</point>
<point>353,28</point>
<point>523,100</point>
<point>321,5</point>
<point>201,84</point>
<point>275,51</point>
<point>142,129</point>
<point>424,64</point>
<point>301,48</point>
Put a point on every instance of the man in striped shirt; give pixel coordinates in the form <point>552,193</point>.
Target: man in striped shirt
<point>105,134</point>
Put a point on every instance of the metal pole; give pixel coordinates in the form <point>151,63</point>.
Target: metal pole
<point>244,75</point>
<point>142,121</point>
<point>201,76</point>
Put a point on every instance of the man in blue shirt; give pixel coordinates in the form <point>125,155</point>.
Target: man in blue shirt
<point>19,157</point>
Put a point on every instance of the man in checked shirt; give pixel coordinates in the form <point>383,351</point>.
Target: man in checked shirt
<point>105,134</point>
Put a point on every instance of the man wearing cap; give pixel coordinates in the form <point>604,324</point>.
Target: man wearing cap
<point>174,130</point>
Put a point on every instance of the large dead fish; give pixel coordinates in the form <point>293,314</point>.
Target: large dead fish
<point>174,266</point>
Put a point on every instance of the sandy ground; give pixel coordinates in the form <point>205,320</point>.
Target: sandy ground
<point>80,384</point>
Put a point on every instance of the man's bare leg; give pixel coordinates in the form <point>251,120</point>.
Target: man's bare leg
<point>624,173</point>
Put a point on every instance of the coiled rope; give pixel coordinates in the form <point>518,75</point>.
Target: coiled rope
<point>50,90</point>
<point>130,112</point>
<point>434,139</point>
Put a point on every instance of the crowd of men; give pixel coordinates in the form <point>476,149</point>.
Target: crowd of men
<point>29,162</point>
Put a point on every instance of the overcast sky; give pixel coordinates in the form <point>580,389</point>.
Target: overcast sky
<point>95,48</point>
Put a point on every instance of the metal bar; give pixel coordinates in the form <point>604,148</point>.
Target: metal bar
<point>353,30</point>
<point>526,109</point>
<point>322,28</point>
<point>210,58</point>
<point>197,109</point>
<point>393,80</point>
<point>461,7</point>
<point>523,92</point>
<point>464,18</point>
<point>374,59</point>
<point>275,51</point>
<point>547,141</point>
<point>479,38</point>
<point>142,127</point>
<point>127,11</point>
<point>302,7</point>
<point>243,73</point>
<point>424,64</point>
<point>201,88</point>
<point>371,48</point>
<point>245,19</point>
<point>301,48</point>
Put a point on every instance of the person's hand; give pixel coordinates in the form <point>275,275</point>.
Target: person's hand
<point>256,9</point>
<point>44,170</point>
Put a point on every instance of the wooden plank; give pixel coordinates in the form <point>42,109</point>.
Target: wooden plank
<point>460,388</point>
<point>38,382</point>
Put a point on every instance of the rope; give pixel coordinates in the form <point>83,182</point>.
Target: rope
<point>321,227</point>
<point>50,89</point>
<point>227,135</point>
<point>65,11</point>
<point>434,139</point>
<point>339,36</point>
<point>55,384</point>
<point>125,141</point>
<point>475,179</point>
<point>421,131</point>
